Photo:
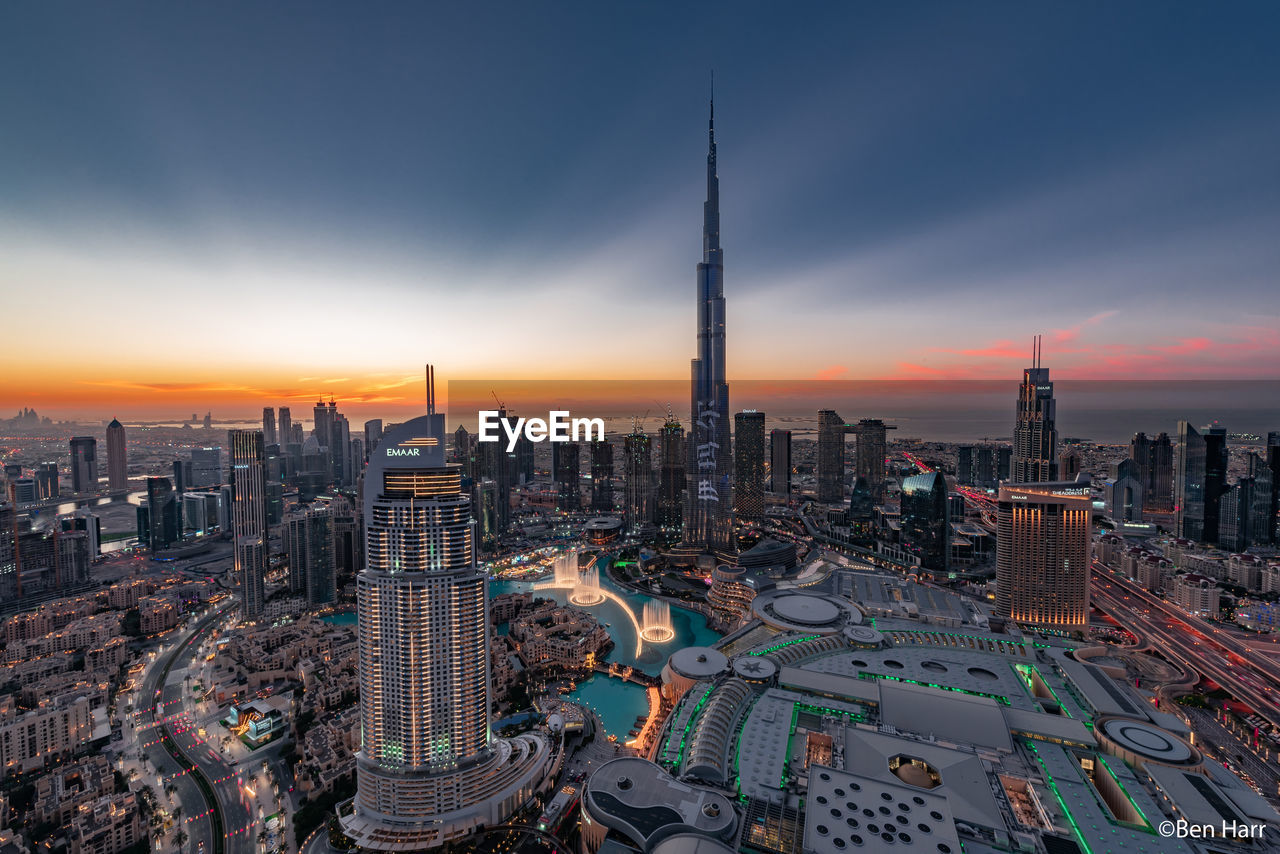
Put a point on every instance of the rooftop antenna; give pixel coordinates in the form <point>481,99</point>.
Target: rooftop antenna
<point>431,390</point>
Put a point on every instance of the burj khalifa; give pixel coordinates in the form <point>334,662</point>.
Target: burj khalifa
<point>708,505</point>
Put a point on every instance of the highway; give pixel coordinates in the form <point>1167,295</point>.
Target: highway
<point>1250,677</point>
<point>230,826</point>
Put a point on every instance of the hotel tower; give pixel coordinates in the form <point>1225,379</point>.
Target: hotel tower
<point>429,770</point>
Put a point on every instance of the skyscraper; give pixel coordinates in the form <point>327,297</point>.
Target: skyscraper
<point>206,466</point>
<point>873,448</point>
<point>1188,475</point>
<point>286,426</point>
<point>1035,435</point>
<point>1273,463</point>
<point>830,468</point>
<point>637,453</point>
<point>1153,461</point>
<point>309,542</point>
<point>1215,478</point>
<point>117,458</point>
<point>84,464</point>
<point>269,426</point>
<point>428,769</point>
<point>780,462</point>
<point>708,523</point>
<point>671,473</point>
<point>163,529</point>
<point>249,517</point>
<point>926,526</point>
<point>1125,492</point>
<point>47,481</point>
<point>1042,553</point>
<point>748,474</point>
<point>601,476</point>
<point>372,435</point>
<point>565,457</point>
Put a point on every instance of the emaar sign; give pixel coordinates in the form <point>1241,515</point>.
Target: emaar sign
<point>559,427</point>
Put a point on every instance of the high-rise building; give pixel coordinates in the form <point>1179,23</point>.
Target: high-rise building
<point>708,522</point>
<point>1244,518</point>
<point>926,523</point>
<point>47,481</point>
<point>983,465</point>
<point>1043,553</point>
<point>637,453</point>
<point>1200,479</point>
<point>1035,435</point>
<point>117,457</point>
<point>830,467</point>
<point>1216,463</point>
<point>565,457</point>
<point>780,462</point>
<point>601,476</point>
<point>1070,464</point>
<point>206,467</point>
<point>340,448</point>
<point>428,769</point>
<point>499,466</point>
<point>163,529</point>
<point>672,458</point>
<point>249,517</point>
<point>372,435</point>
<point>269,426</point>
<point>1153,459</point>
<point>1188,477</point>
<point>872,450</point>
<point>748,461</point>
<point>84,465</point>
<point>286,426</point>
<point>1273,463</point>
<point>1125,492</point>
<point>309,542</point>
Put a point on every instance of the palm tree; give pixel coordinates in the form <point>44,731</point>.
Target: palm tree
<point>177,814</point>
<point>180,838</point>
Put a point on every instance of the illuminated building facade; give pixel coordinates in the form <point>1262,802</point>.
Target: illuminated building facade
<point>671,473</point>
<point>429,770</point>
<point>1035,435</point>
<point>249,517</point>
<point>1042,553</point>
<point>637,452</point>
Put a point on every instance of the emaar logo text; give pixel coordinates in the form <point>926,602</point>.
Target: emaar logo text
<point>558,427</point>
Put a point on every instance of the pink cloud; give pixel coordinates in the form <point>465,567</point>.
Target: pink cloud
<point>832,372</point>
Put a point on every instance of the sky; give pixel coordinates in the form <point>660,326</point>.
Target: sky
<point>225,206</point>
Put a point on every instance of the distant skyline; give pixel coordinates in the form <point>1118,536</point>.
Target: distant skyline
<point>239,206</point>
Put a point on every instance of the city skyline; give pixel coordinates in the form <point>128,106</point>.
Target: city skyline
<point>873,188</point>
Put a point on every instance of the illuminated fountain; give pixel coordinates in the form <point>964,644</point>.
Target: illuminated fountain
<point>657,627</point>
<point>566,568</point>
<point>587,589</point>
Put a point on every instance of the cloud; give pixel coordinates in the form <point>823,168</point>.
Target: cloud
<point>832,372</point>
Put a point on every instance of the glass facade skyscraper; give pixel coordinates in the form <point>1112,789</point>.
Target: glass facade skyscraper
<point>926,526</point>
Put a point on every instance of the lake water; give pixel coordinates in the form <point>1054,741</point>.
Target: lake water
<point>618,703</point>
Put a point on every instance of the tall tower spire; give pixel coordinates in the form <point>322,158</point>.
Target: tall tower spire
<point>708,523</point>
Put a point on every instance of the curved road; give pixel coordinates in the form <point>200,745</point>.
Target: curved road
<point>230,827</point>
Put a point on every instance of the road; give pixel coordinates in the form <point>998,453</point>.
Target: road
<point>1251,678</point>
<point>230,827</point>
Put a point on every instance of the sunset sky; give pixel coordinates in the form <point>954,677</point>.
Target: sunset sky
<point>226,206</point>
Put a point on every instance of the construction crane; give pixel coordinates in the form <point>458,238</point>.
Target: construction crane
<point>501,405</point>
